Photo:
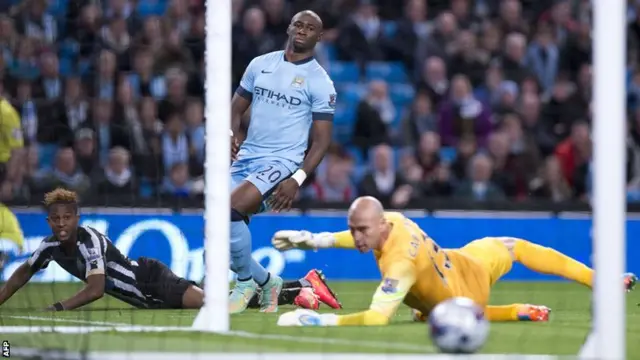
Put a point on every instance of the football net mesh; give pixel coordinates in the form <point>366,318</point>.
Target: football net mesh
<point>103,130</point>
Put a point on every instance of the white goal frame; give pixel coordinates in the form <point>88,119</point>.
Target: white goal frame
<point>608,338</point>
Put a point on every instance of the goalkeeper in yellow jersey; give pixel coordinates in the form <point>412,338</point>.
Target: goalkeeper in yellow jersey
<point>417,272</point>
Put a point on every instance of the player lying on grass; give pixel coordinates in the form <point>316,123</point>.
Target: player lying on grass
<point>146,283</point>
<point>420,274</point>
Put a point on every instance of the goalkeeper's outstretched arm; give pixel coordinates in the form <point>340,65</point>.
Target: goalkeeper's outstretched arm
<point>305,240</point>
<point>391,292</point>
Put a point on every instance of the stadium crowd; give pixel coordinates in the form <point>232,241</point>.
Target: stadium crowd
<point>474,99</point>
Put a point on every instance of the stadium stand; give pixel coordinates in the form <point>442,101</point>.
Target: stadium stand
<point>478,100</point>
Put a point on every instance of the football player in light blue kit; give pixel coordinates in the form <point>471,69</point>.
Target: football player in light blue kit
<point>291,97</point>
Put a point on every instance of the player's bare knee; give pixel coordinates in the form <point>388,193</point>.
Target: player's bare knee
<point>246,198</point>
<point>193,298</point>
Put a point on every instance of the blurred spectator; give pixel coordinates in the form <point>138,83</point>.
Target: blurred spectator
<point>510,20</point>
<point>117,177</point>
<point>102,84</point>
<point>178,183</point>
<point>420,119</point>
<point>24,64</point>
<point>383,180</point>
<point>65,173</point>
<point>277,19</point>
<point>529,110</point>
<point>115,37</point>
<point>433,79</point>
<point>175,144</point>
<point>543,57</point>
<point>465,59</point>
<point>360,39</point>
<point>436,177</point>
<point>480,187</point>
<point>335,184</point>
<point>633,149</point>
<point>76,103</point>
<point>464,152</point>
<point>412,29</point>
<point>374,115</point>
<point>173,54</point>
<point>551,184</point>
<point>50,84</point>
<point>143,78</point>
<point>251,41</point>
<point>109,133</point>
<point>195,130</point>
<point>486,90</point>
<point>506,97</point>
<point>461,10</point>
<point>574,155</point>
<point>577,50</point>
<point>463,114</point>
<point>428,153</point>
<point>86,152</point>
<point>32,21</point>
<point>176,98</point>
<point>440,41</point>
<point>563,108</point>
<point>124,9</point>
<point>513,61</point>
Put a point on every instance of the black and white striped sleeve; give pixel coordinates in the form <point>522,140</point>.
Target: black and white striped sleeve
<point>43,255</point>
<point>94,252</point>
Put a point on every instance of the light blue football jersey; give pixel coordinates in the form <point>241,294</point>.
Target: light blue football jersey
<point>286,97</point>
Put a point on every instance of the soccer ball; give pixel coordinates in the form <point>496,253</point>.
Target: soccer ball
<point>458,326</point>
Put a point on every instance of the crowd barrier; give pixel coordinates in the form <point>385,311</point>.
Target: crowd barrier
<point>177,240</point>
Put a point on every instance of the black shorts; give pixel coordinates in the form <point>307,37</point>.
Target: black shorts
<point>157,281</point>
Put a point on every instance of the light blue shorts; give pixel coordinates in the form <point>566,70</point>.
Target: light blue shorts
<point>263,174</point>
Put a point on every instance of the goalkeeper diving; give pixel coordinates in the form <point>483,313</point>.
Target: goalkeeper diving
<point>419,273</point>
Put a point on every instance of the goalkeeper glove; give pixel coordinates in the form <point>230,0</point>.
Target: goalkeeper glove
<point>304,240</point>
<point>302,317</point>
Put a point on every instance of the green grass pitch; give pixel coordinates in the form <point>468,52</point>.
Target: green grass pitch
<point>256,332</point>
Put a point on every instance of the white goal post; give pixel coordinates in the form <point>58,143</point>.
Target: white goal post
<point>214,316</point>
<point>607,340</point>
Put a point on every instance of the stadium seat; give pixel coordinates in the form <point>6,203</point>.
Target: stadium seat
<point>66,66</point>
<point>68,48</point>
<point>151,7</point>
<point>330,51</point>
<point>343,122</point>
<point>342,71</point>
<point>58,8</point>
<point>389,28</point>
<point>351,93</point>
<point>401,94</point>
<point>46,153</point>
<point>391,72</point>
<point>448,154</point>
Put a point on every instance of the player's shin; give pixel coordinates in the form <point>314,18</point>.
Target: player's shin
<point>245,287</point>
<point>549,261</point>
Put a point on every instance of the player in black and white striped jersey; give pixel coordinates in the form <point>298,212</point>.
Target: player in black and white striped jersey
<point>91,257</point>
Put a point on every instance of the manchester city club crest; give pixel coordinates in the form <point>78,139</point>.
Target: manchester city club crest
<point>297,82</point>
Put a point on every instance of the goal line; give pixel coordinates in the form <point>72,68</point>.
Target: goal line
<point>60,355</point>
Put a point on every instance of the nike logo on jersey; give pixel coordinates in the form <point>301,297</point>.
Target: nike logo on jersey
<point>266,72</point>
